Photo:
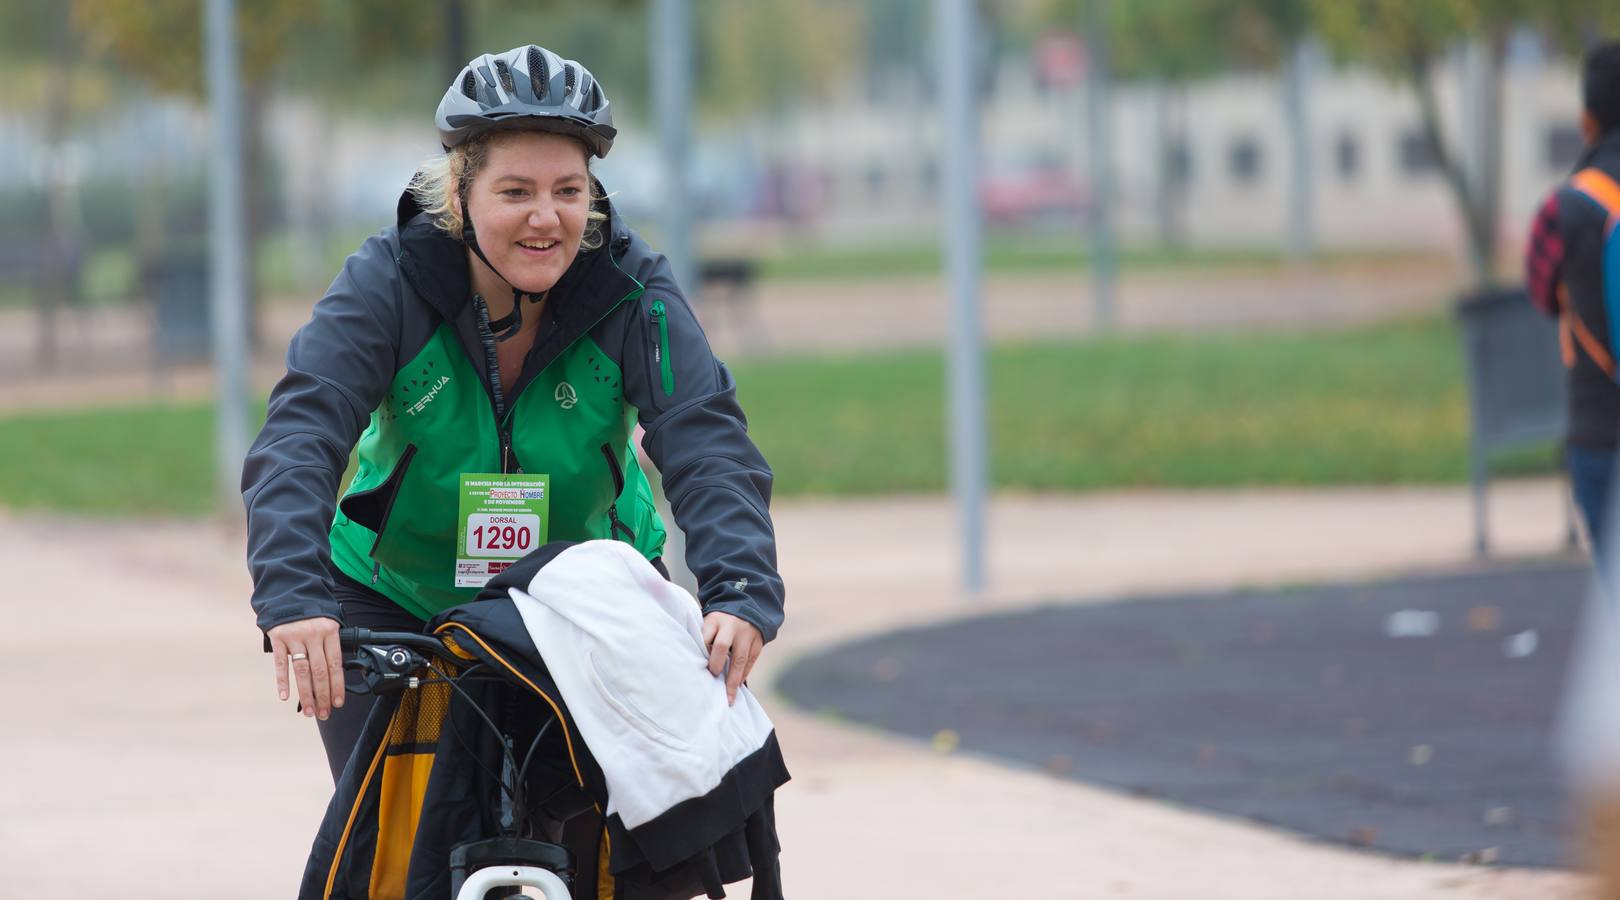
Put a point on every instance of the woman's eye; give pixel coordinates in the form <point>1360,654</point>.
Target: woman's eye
<point>570,192</point>
<point>515,193</point>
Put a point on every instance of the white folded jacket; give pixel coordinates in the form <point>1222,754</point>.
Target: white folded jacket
<point>625,648</point>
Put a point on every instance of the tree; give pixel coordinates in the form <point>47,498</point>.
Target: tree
<point>160,41</point>
<point>1409,41</point>
<point>45,73</point>
<point>758,55</point>
<point>1167,45</point>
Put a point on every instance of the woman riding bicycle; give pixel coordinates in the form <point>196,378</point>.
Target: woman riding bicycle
<point>509,329</point>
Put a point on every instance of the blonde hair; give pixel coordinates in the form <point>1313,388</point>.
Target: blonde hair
<point>439,180</point>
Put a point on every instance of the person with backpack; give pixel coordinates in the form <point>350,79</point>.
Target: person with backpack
<point>1573,273</point>
<point>486,357</point>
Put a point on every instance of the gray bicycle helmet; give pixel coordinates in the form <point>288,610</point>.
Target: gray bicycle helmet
<point>527,87</point>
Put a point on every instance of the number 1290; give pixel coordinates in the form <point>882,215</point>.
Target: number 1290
<point>502,537</point>
<point>513,535</point>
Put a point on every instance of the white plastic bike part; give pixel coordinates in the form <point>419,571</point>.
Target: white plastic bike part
<point>490,877</point>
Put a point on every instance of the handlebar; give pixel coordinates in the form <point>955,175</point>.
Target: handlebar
<point>358,638</point>
<point>388,661</point>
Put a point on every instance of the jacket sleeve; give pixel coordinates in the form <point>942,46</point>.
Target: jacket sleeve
<point>339,366</point>
<point>717,481</point>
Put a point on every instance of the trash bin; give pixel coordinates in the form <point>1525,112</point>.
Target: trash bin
<point>1516,386</point>
<point>176,285</point>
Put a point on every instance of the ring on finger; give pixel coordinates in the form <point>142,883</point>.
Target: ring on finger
<point>295,657</point>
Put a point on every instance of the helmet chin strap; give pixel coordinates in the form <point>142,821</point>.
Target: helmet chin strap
<point>506,327</point>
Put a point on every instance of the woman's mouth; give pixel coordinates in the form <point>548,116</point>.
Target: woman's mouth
<point>538,248</point>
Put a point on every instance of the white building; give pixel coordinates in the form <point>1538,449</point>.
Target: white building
<point>1374,183</point>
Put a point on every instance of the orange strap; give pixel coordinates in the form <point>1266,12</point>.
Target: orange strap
<point>1566,340</point>
<point>1596,184</point>
<point>1571,326</point>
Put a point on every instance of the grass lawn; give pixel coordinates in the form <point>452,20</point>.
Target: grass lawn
<point>1371,406</point>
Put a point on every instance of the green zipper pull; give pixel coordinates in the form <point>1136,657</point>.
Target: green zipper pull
<point>661,351</point>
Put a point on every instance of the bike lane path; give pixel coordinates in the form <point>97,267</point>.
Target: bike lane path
<point>145,723</point>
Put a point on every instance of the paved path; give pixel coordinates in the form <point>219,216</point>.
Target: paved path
<point>143,739</point>
<point>1414,715</point>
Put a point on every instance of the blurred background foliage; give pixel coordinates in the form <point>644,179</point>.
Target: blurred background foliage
<point>1210,408</point>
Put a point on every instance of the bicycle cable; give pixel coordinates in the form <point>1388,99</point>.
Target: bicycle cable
<point>500,737</point>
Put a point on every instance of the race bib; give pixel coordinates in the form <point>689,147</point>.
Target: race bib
<point>502,518</point>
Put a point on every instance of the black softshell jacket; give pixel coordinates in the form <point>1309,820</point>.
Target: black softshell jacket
<point>428,746</point>
<point>391,297</point>
<point>1594,401</point>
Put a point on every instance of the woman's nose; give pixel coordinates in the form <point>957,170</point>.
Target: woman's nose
<point>543,214</point>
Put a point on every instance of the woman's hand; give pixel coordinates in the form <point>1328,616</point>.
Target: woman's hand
<point>310,648</point>
<point>728,637</point>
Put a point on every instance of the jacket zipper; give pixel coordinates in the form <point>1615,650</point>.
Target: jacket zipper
<point>400,467</point>
<point>497,397</point>
<point>666,368</point>
<point>615,525</point>
<point>509,462</point>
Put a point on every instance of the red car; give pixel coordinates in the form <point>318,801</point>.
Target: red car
<point>1044,195</point>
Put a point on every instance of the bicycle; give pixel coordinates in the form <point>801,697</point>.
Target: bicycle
<point>389,662</point>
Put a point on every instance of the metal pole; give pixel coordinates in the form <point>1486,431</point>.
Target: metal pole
<point>1301,241</point>
<point>455,37</point>
<point>1100,127</point>
<point>959,83</point>
<point>672,94</point>
<point>671,37</point>
<point>227,253</point>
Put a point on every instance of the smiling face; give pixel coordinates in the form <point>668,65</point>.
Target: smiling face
<point>529,205</point>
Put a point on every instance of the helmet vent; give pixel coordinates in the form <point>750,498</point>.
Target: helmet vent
<point>539,78</point>
<point>596,98</point>
<point>504,72</point>
<point>469,86</point>
<point>570,81</point>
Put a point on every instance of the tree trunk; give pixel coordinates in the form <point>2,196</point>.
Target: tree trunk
<point>1165,189</point>
<point>151,208</point>
<point>1099,128</point>
<point>1301,242</point>
<point>56,276</point>
<point>1420,69</point>
<point>1181,175</point>
<point>255,198</point>
<point>1489,186</point>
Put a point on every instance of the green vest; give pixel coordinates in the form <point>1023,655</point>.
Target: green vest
<point>571,423</point>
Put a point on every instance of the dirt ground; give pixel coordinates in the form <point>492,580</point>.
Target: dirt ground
<point>146,755</point>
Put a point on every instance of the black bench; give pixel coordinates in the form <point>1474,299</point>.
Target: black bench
<point>729,282</point>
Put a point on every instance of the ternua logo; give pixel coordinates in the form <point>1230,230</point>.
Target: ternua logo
<point>565,396</point>
<point>427,398</point>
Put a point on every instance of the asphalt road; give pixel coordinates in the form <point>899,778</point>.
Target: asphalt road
<point>1415,717</point>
